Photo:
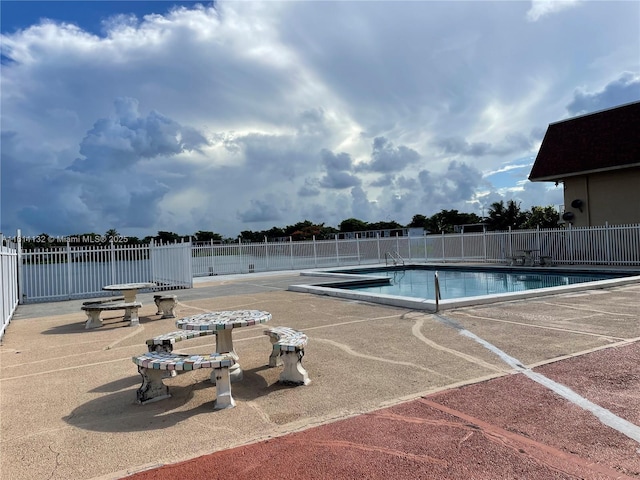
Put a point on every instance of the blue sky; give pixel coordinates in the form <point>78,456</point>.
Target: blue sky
<point>186,116</point>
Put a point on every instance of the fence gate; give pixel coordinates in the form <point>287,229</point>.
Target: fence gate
<point>171,265</point>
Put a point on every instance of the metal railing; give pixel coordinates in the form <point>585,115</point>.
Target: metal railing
<point>66,272</point>
<point>394,258</point>
<point>8,282</point>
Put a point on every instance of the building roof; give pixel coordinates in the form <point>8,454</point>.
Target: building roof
<point>601,141</point>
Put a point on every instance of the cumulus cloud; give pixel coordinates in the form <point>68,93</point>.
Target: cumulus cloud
<point>452,188</point>
<point>338,168</point>
<point>386,157</point>
<point>262,210</point>
<point>118,142</point>
<point>513,142</point>
<point>542,8</point>
<point>457,145</point>
<point>248,115</point>
<point>624,89</point>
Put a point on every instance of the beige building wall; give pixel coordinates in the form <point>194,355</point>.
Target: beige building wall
<point>612,197</point>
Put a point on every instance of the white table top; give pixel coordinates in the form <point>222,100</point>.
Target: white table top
<point>223,320</point>
<point>128,286</point>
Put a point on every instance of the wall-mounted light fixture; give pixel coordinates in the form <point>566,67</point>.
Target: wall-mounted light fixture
<point>568,216</point>
<point>577,203</point>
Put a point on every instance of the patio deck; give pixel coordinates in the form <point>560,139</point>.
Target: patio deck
<point>395,393</point>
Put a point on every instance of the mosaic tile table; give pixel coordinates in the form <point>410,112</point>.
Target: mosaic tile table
<point>223,323</point>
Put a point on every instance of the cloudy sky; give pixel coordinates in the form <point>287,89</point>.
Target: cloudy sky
<point>147,116</point>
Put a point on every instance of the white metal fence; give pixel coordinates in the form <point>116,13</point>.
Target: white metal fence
<point>8,282</point>
<point>171,265</point>
<point>607,245</point>
<point>67,272</point>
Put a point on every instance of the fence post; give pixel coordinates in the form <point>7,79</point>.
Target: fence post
<point>20,267</point>
<point>607,240</point>
<point>337,251</point>
<point>112,259</point>
<point>409,245</point>
<point>424,236</point>
<point>510,242</point>
<point>291,251</point>
<point>152,259</point>
<point>69,270</point>
<point>484,243</point>
<point>378,243</point>
<point>212,268</point>
<point>570,242</point>
<point>442,233</point>
<point>358,247</point>
<point>315,253</point>
<point>462,243</point>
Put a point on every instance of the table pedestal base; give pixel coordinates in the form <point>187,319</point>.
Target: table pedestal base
<point>224,344</point>
<point>235,372</point>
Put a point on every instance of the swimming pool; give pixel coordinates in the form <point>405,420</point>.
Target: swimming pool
<point>413,286</point>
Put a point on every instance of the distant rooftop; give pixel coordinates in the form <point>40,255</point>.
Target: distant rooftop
<point>601,141</point>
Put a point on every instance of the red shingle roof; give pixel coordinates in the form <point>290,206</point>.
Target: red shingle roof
<point>601,141</point>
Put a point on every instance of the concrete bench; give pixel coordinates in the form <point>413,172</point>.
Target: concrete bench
<point>104,300</point>
<point>153,366</point>
<point>165,342</point>
<point>288,349</point>
<point>165,304</point>
<point>93,311</point>
<point>516,260</point>
<point>546,261</point>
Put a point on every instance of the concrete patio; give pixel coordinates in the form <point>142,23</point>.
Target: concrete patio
<point>67,395</point>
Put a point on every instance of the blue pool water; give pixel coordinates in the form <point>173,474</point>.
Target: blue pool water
<point>419,283</point>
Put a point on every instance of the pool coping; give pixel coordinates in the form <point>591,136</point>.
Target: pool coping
<point>330,289</point>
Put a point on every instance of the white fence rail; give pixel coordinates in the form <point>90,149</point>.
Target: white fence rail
<point>171,265</point>
<point>8,283</point>
<point>67,272</point>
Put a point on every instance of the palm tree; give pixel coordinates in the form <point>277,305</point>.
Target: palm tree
<point>501,217</point>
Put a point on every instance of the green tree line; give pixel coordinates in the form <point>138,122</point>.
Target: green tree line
<point>500,216</point>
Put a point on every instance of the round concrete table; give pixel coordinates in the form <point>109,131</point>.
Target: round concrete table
<point>223,323</point>
<point>129,290</point>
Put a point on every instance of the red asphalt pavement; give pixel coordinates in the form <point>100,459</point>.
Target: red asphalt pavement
<point>506,428</point>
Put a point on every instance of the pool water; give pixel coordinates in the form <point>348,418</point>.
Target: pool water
<point>419,283</point>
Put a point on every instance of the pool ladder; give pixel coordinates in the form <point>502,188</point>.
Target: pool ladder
<point>393,257</point>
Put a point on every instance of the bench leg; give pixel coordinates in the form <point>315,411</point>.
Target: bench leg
<point>294,373</point>
<point>167,348</point>
<point>274,358</point>
<point>152,388</point>
<point>93,319</point>
<point>131,314</point>
<point>156,300</point>
<point>224,344</point>
<point>223,389</point>
<point>166,307</point>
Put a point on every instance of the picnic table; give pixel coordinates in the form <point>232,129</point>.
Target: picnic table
<point>223,323</point>
<point>527,253</point>
<point>129,290</point>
